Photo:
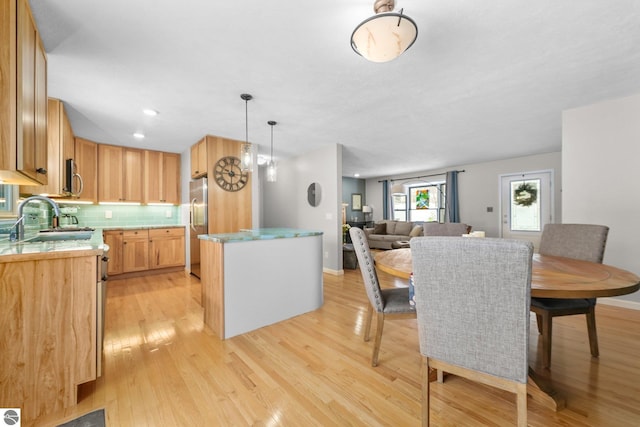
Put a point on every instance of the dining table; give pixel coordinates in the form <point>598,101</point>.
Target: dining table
<point>551,277</point>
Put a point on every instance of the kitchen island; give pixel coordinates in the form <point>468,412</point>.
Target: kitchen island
<point>255,278</point>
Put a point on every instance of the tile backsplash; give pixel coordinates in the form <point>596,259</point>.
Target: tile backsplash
<point>124,215</point>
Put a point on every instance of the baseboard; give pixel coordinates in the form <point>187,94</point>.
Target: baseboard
<point>333,272</point>
<point>618,302</point>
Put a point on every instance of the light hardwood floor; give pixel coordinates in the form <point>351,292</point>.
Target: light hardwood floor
<point>162,367</point>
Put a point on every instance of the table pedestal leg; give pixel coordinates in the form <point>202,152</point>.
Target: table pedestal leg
<point>541,391</point>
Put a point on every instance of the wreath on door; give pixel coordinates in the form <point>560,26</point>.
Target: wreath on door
<point>525,195</point>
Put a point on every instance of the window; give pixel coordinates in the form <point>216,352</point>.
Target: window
<point>7,203</point>
<point>427,203</point>
<point>400,207</point>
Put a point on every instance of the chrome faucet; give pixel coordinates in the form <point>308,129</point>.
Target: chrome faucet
<point>54,205</point>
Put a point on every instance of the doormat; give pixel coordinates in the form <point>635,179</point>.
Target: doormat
<point>92,419</point>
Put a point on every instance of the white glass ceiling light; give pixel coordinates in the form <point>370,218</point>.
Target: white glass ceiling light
<point>272,171</point>
<point>384,36</point>
<point>246,149</point>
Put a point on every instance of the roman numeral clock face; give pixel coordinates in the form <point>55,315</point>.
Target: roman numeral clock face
<point>228,174</point>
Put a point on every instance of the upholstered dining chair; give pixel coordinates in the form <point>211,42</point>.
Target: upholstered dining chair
<point>391,303</point>
<point>472,302</point>
<point>578,241</point>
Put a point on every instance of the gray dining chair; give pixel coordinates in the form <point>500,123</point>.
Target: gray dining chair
<point>391,303</point>
<point>578,241</point>
<point>472,300</point>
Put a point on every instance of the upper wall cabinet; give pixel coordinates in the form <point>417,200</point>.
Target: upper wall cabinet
<point>120,174</point>
<point>162,177</point>
<point>60,147</point>
<point>199,158</point>
<point>86,162</point>
<point>23,97</point>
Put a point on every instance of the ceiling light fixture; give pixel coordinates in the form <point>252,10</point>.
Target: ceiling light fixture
<point>150,112</point>
<point>384,36</point>
<point>138,135</point>
<point>246,149</point>
<point>272,171</point>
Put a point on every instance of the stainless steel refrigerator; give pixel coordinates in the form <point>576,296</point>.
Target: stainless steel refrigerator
<point>197,220</point>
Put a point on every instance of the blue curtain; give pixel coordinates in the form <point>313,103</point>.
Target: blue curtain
<point>385,199</point>
<point>452,207</point>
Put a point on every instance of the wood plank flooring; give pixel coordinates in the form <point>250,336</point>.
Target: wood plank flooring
<point>163,367</point>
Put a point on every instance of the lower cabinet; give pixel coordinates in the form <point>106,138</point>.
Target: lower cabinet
<point>135,250</point>
<point>166,247</point>
<point>142,249</point>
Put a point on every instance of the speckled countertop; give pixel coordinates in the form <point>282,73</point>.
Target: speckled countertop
<point>259,234</point>
<point>27,250</point>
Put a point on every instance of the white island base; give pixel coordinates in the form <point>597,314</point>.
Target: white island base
<point>259,277</point>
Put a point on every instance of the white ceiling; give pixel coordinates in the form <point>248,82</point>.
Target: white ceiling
<point>485,79</point>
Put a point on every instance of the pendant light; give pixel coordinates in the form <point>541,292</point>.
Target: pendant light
<point>272,171</point>
<point>246,149</point>
<point>386,35</point>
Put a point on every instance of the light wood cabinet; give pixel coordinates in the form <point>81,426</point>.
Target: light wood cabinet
<point>162,177</point>
<point>113,238</point>
<point>86,159</point>
<point>166,247</point>
<point>23,97</point>
<point>120,174</point>
<point>199,158</point>
<point>135,250</point>
<point>60,147</point>
<point>138,250</point>
<point>49,331</point>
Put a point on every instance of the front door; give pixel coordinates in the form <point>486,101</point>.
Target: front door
<point>526,205</point>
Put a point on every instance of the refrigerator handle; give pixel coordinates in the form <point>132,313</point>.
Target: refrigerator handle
<point>191,213</point>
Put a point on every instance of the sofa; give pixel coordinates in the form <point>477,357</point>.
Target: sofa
<point>385,233</point>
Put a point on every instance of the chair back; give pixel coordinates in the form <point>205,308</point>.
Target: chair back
<point>367,268</point>
<point>472,302</point>
<point>585,242</point>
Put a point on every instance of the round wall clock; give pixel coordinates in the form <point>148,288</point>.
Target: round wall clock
<point>228,174</point>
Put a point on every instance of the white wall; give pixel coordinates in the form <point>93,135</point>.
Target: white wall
<point>479,188</point>
<point>284,202</point>
<point>601,148</point>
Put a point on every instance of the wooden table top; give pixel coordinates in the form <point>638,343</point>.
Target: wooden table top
<point>552,277</point>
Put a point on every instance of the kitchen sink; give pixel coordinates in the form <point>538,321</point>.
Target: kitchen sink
<point>61,234</point>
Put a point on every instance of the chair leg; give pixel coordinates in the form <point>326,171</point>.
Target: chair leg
<point>593,334</point>
<point>547,328</point>
<point>367,323</point>
<point>539,323</point>
<point>378,340</point>
<point>425,391</point>
<point>521,397</point>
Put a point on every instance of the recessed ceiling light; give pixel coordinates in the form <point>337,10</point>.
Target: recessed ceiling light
<point>138,135</point>
<point>356,175</point>
<point>150,112</point>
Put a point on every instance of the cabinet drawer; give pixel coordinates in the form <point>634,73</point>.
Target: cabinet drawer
<point>166,232</point>
<point>135,234</point>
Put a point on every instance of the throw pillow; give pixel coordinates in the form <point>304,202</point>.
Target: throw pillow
<point>403,228</point>
<point>380,228</point>
<point>416,231</point>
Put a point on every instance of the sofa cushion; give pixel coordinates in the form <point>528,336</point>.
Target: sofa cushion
<point>379,228</point>
<point>391,226</point>
<point>416,231</point>
<point>403,228</point>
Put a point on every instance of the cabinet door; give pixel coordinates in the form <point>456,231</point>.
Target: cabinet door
<point>171,178</point>
<point>110,173</point>
<point>166,247</point>
<point>133,162</point>
<point>199,158</point>
<point>135,253</point>
<point>40,114</point>
<point>86,157</point>
<point>153,177</point>
<point>115,242</point>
